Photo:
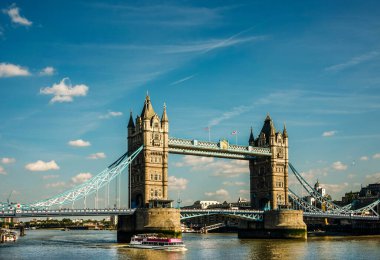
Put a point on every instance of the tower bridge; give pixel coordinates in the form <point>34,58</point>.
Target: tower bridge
<point>149,145</point>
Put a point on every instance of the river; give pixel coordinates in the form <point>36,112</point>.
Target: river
<point>56,244</point>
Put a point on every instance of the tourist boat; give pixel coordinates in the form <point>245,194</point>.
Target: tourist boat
<point>155,241</point>
<point>7,235</point>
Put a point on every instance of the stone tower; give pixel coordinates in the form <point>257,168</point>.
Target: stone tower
<point>149,172</point>
<point>269,175</point>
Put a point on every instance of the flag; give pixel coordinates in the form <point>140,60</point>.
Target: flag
<point>207,128</point>
<point>234,132</point>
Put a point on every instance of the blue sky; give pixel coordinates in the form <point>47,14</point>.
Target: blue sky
<point>70,71</point>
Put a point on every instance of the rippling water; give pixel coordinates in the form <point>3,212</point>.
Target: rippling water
<point>56,244</point>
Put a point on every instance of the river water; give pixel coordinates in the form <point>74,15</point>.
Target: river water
<point>56,244</point>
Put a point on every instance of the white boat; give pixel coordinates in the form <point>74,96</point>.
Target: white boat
<point>7,235</point>
<point>155,241</point>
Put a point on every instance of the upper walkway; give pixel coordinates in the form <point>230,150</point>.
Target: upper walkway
<point>221,149</point>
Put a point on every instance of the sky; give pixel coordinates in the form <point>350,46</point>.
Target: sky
<point>71,71</point>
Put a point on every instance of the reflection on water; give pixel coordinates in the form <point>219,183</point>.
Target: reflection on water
<point>55,244</point>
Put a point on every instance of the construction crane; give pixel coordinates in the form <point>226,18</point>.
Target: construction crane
<point>10,194</point>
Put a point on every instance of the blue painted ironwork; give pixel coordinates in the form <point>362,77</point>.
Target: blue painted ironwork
<point>256,215</point>
<point>221,149</point>
<point>90,186</point>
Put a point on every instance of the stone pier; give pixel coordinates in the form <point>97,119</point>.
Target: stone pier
<point>149,220</point>
<point>277,224</point>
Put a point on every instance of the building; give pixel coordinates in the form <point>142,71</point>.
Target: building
<point>269,176</point>
<point>149,173</point>
<point>203,204</point>
<point>319,189</point>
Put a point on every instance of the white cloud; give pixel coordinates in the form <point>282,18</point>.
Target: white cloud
<point>364,158</point>
<point>111,114</point>
<point>50,176</point>
<point>373,178</point>
<point>329,133</point>
<point>335,188</point>
<point>189,160</point>
<point>79,143</point>
<point>96,156</point>
<point>58,184</point>
<point>2,171</point>
<point>64,91</point>
<point>224,168</point>
<point>6,160</point>
<point>177,183</point>
<point>47,71</point>
<point>244,192</point>
<point>14,14</point>
<point>220,192</point>
<point>81,177</point>
<point>41,166</point>
<point>339,166</point>
<point>354,61</point>
<point>376,156</point>
<point>235,183</point>
<point>11,70</point>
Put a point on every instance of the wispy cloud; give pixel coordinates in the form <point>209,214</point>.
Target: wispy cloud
<point>353,62</point>
<point>373,178</point>
<point>217,168</point>
<point>177,183</point>
<point>209,45</point>
<point>221,194</point>
<point>96,156</point>
<point>2,171</point>
<point>111,114</point>
<point>64,91</point>
<point>7,160</point>
<point>181,80</point>
<point>50,176</point>
<point>329,133</point>
<point>47,71</point>
<point>235,183</point>
<point>364,158</point>
<point>236,111</point>
<point>8,70</point>
<point>376,156</point>
<point>339,166</point>
<point>58,184</point>
<point>169,16</point>
<point>14,13</point>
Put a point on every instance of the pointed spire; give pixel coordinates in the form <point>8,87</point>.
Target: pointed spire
<point>251,137</point>
<point>148,111</point>
<point>285,133</point>
<point>164,117</point>
<point>131,124</point>
<point>268,117</point>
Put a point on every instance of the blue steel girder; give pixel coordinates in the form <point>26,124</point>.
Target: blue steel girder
<point>213,149</point>
<point>22,213</point>
<point>256,215</point>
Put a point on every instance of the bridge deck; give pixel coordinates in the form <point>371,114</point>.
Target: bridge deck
<point>256,215</point>
<point>221,149</point>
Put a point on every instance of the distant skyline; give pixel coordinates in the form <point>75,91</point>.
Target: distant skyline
<point>71,72</point>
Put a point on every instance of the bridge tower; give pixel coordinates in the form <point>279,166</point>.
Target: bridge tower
<point>269,175</point>
<point>149,171</point>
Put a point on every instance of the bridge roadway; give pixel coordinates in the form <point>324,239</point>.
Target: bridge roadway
<point>221,149</point>
<point>253,215</point>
